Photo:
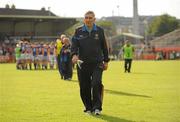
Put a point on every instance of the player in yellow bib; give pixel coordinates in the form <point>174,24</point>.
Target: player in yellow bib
<point>128,50</point>
<point>59,45</point>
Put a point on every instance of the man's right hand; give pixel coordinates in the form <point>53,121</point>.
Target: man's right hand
<point>75,58</point>
<point>105,65</point>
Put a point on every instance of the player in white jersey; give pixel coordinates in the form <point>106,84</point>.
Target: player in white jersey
<point>29,56</point>
<point>23,55</point>
<point>52,56</point>
<point>40,55</point>
<point>45,56</point>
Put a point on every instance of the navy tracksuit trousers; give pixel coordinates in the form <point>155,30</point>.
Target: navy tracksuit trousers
<point>90,81</point>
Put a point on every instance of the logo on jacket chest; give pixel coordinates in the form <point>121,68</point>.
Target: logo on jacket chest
<point>81,36</point>
<point>96,36</point>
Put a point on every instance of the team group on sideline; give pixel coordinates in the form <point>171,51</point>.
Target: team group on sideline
<point>43,56</point>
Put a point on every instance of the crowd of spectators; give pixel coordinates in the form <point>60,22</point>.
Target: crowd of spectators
<point>7,51</point>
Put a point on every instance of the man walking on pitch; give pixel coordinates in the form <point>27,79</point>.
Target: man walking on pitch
<point>128,50</point>
<point>89,45</point>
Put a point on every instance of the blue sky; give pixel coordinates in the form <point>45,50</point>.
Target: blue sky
<point>77,8</point>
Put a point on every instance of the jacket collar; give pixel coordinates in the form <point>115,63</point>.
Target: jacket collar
<point>85,28</point>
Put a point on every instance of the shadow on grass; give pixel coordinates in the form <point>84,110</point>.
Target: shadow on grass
<point>118,92</point>
<point>74,81</point>
<point>125,93</point>
<point>144,73</point>
<point>36,70</point>
<point>109,118</point>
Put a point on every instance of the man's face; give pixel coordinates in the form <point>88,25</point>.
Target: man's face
<point>89,20</point>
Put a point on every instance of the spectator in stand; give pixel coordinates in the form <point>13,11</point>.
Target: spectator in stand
<point>1,50</point>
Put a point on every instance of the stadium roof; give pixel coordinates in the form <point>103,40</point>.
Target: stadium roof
<point>14,11</point>
<point>33,15</point>
<point>169,39</point>
<point>128,35</point>
<point>12,17</point>
<point>133,35</point>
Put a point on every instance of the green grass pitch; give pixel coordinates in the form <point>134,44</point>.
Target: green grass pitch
<point>151,93</point>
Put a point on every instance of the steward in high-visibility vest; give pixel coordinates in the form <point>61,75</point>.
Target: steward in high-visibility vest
<point>128,50</point>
